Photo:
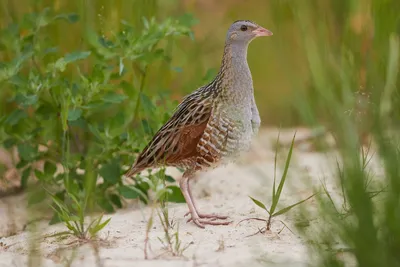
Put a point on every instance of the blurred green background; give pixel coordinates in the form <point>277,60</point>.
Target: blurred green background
<point>278,63</point>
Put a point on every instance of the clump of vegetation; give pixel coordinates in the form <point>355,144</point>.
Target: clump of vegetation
<point>365,228</point>
<point>76,118</point>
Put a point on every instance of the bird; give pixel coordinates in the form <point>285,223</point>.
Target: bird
<point>212,125</point>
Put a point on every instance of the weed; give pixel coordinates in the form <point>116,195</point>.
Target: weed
<point>76,223</point>
<point>162,192</point>
<point>276,192</point>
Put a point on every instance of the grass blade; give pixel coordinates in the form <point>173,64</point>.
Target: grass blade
<point>284,210</point>
<point>391,77</point>
<point>275,160</point>
<point>258,203</point>
<point>98,227</point>
<point>283,179</point>
<point>329,196</point>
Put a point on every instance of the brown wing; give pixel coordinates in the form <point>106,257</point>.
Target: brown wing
<point>178,138</point>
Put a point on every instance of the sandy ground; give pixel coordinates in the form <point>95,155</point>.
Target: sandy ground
<point>223,190</point>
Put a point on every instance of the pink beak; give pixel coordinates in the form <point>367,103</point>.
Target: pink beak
<point>260,31</point>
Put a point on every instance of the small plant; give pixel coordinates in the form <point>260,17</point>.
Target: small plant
<point>161,194</point>
<point>171,243</point>
<point>276,192</point>
<point>75,222</point>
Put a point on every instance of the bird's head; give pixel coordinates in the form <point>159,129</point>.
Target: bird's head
<point>244,31</point>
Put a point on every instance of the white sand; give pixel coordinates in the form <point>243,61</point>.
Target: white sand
<point>224,190</point>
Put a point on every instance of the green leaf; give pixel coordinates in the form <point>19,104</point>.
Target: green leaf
<point>18,80</point>
<point>93,129</point>
<point>8,143</point>
<point>22,163</point>
<point>74,114</point>
<point>25,176</point>
<point>111,172</point>
<point>114,98</point>
<point>15,117</point>
<point>169,178</point>
<point>59,65</point>
<point>128,192</point>
<point>43,19</point>
<point>75,56</point>
<point>36,196</point>
<point>117,124</point>
<point>175,194</point>
<point>50,168</point>
<point>162,193</point>
<point>26,101</point>
<point>146,127</point>
<point>98,227</point>
<point>147,104</point>
<point>71,18</point>
<point>99,105</point>
<point>143,188</point>
<point>105,204</point>
<point>46,111</point>
<point>259,203</point>
<point>26,151</point>
<point>284,210</point>
<point>116,200</point>
<point>39,175</point>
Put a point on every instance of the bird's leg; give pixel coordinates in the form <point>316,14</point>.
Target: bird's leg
<point>185,192</point>
<point>200,221</point>
<point>212,217</point>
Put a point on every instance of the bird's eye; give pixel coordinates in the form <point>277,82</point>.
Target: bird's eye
<point>243,28</point>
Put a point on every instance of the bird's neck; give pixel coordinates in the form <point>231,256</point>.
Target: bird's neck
<point>234,75</point>
<point>235,57</point>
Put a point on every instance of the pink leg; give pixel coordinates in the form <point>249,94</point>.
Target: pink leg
<point>202,215</point>
<point>198,218</point>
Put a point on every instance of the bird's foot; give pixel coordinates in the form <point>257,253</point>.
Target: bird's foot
<point>211,219</point>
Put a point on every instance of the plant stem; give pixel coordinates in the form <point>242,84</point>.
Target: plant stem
<point>269,222</point>
<point>144,72</point>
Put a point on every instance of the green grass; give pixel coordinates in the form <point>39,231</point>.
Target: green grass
<point>366,226</point>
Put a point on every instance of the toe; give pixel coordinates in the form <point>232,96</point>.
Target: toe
<point>198,223</point>
<point>213,222</point>
<point>214,216</point>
